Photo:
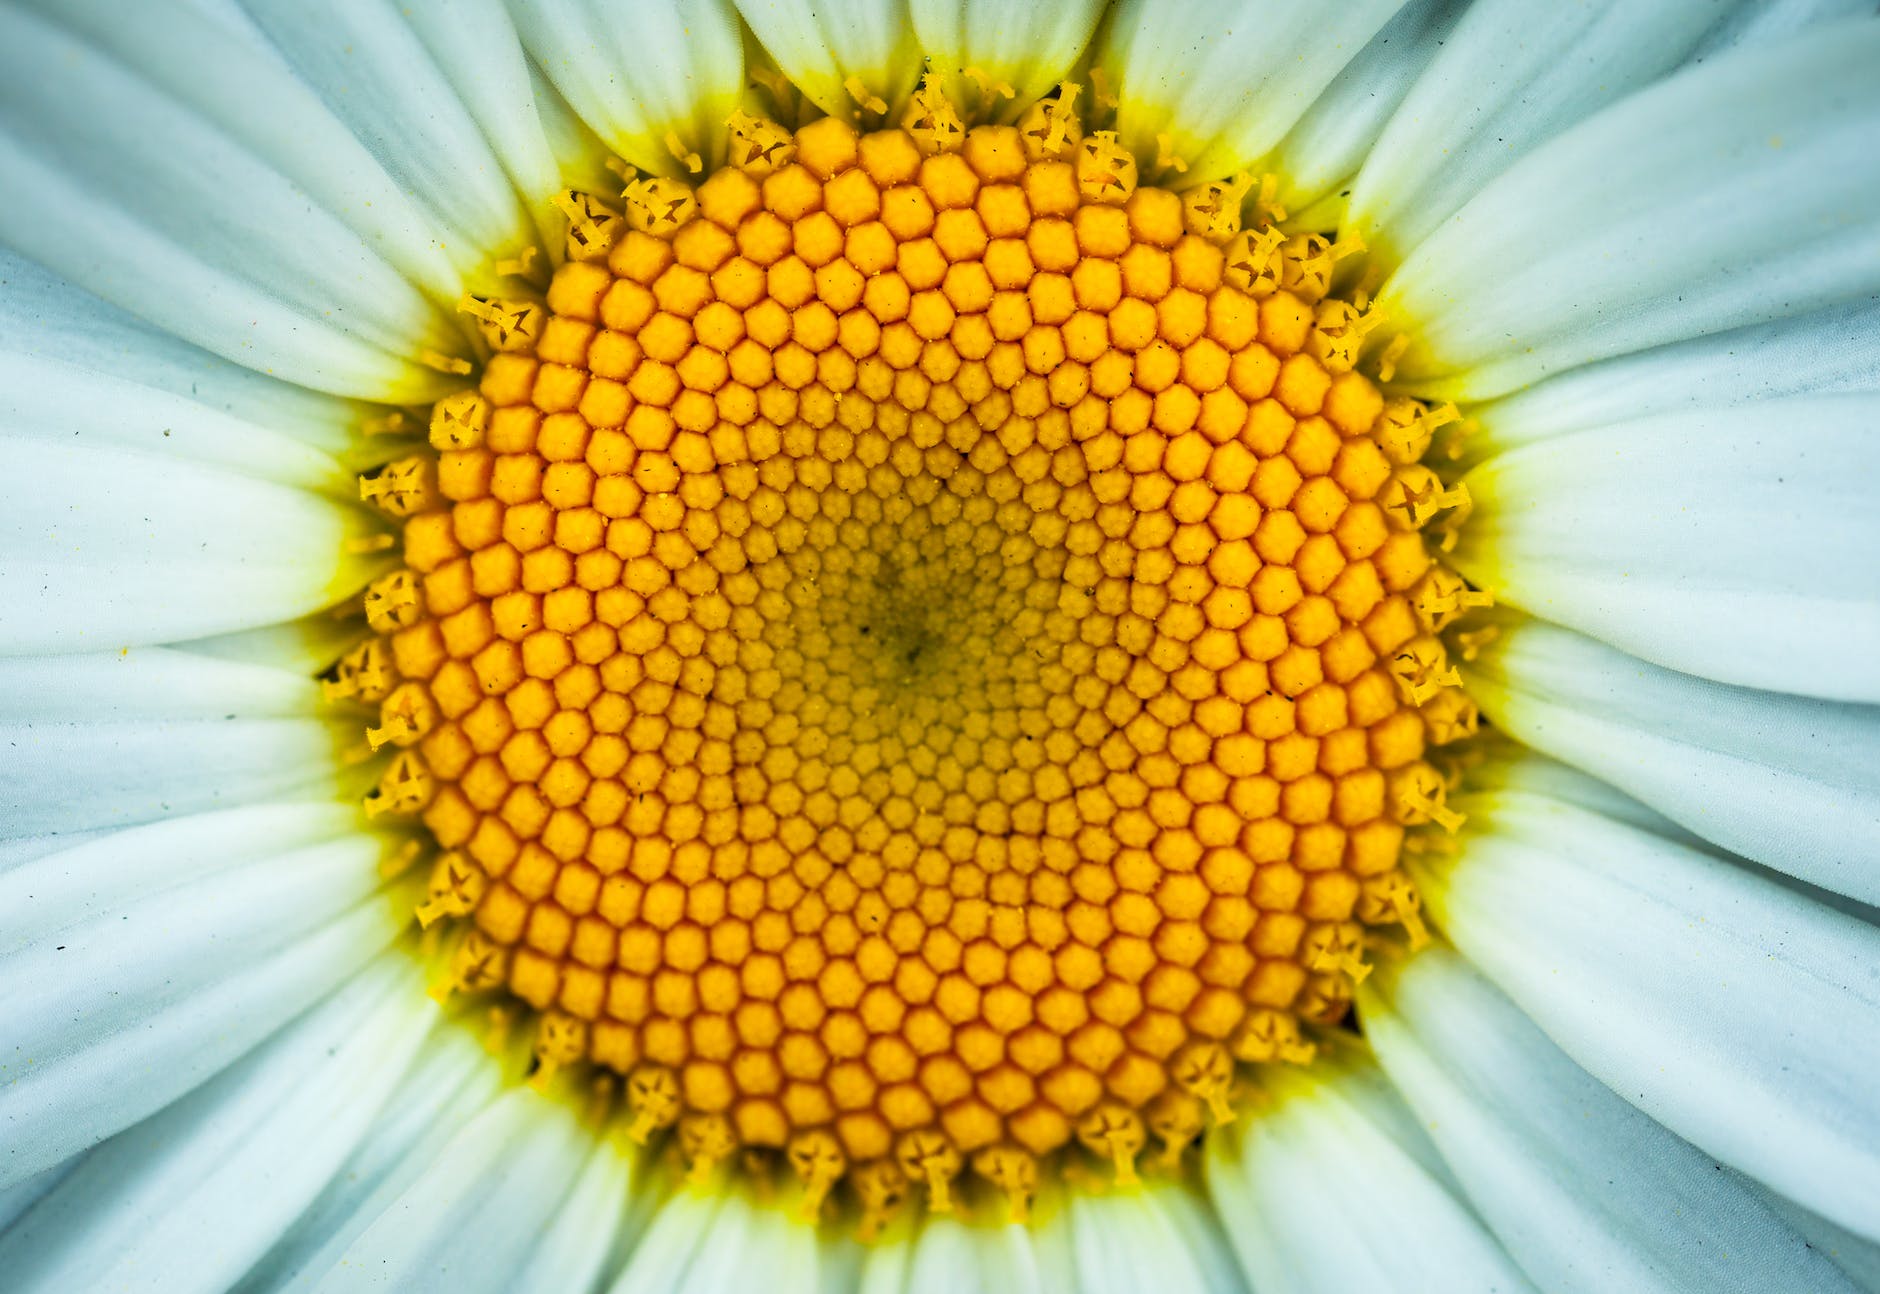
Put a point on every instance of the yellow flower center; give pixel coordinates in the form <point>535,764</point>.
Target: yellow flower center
<point>920,657</point>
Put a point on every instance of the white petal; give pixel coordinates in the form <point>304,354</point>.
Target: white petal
<point>470,1220</point>
<point>1824,351</point>
<point>946,1255</point>
<point>1584,1190</point>
<point>133,194</point>
<point>1857,1257</point>
<point>585,1232</point>
<point>638,73</point>
<point>97,878</point>
<point>1320,1194</point>
<point>1225,82</point>
<point>477,47</point>
<point>76,777</point>
<point>132,1008</point>
<point>1137,1240</point>
<point>1728,543</point>
<point>149,683</point>
<point>744,1244</point>
<point>1738,1013</point>
<point>1511,75</point>
<point>376,75</point>
<point>305,647</point>
<point>1791,783</point>
<point>821,45</point>
<point>1770,20</point>
<point>110,548</point>
<point>450,1082</point>
<point>1327,145</point>
<point>221,67</point>
<point>1731,194</point>
<point>191,1197</point>
<point>15,1200</point>
<point>17,851</point>
<point>1030,47</point>
<point>80,364</point>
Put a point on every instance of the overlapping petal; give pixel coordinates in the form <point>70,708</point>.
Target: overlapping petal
<point>1685,982</point>
<point>1790,782</point>
<point>1219,85</point>
<point>1584,1190</point>
<point>1733,193</point>
<point>1727,543</point>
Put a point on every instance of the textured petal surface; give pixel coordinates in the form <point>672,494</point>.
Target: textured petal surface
<point>1510,75</point>
<point>108,1018</point>
<point>1734,193</point>
<point>1584,1190</point>
<point>1329,143</point>
<point>1029,47</point>
<point>375,74</point>
<point>639,73</point>
<point>150,203</point>
<point>1734,544</point>
<point>945,1256</point>
<point>472,1219</point>
<point>1789,782</point>
<point>189,1198</point>
<point>1832,350</point>
<point>1327,1191</point>
<point>450,1082</point>
<point>1225,82</point>
<point>715,1242</point>
<point>822,45</point>
<point>1692,986</point>
<point>109,548</point>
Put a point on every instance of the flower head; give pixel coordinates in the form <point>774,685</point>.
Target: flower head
<point>653,646</point>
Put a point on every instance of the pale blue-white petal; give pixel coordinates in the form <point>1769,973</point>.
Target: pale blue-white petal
<point>1585,1191</point>
<point>192,1196</point>
<point>470,1221</point>
<point>1133,1240</point>
<point>136,194</point>
<point>1027,47</point>
<point>1855,1255</point>
<point>1326,146</point>
<point>823,45</point>
<point>1326,1191</point>
<point>221,66</point>
<point>476,46</point>
<point>1733,193</point>
<point>945,1255</point>
<point>149,683</point>
<point>80,364</point>
<point>166,733</point>
<point>376,75</point>
<point>1735,544</point>
<point>1511,75</point>
<point>1789,782</point>
<point>574,1248</point>
<point>1225,82</point>
<point>1771,20</point>
<point>93,878</point>
<point>1743,1016</point>
<point>639,74</point>
<point>1829,350</point>
<point>108,1020</point>
<point>109,548</point>
<point>447,1085</point>
<point>16,1199</point>
<point>714,1242</point>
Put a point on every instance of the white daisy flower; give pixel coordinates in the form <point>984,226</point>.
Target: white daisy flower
<point>939,645</point>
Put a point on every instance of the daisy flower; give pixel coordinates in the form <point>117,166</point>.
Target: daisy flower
<point>939,644</point>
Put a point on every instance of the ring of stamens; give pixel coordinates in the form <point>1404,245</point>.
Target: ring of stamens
<point>920,655</point>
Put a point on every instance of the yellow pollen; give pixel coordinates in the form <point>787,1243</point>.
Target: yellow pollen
<point>918,654</point>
